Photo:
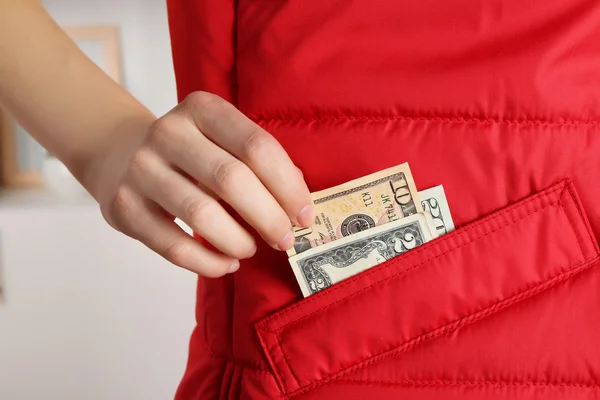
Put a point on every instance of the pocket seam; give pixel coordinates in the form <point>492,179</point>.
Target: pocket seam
<point>575,233</point>
<point>546,193</point>
<point>287,363</point>
<point>441,118</point>
<point>474,383</point>
<point>588,228</point>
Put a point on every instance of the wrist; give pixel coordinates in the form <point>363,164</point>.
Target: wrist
<point>91,162</point>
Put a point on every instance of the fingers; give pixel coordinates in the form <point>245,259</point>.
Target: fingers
<point>230,129</point>
<point>229,178</point>
<point>201,212</point>
<point>143,221</point>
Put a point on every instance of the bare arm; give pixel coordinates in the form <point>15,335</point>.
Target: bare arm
<point>138,167</point>
<point>62,98</point>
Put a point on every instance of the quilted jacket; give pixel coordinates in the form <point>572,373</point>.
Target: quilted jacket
<point>497,100</point>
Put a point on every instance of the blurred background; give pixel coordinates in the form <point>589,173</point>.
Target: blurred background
<point>85,312</point>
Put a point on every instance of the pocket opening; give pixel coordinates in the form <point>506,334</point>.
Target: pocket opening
<point>431,282</point>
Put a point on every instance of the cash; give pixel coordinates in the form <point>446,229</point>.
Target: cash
<point>361,204</point>
<point>323,266</point>
<point>365,222</point>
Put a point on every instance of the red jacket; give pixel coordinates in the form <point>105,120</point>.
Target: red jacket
<point>499,101</point>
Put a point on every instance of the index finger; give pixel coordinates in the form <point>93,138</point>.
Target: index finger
<point>230,129</point>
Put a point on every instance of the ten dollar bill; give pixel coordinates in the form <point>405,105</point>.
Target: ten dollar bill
<point>361,204</point>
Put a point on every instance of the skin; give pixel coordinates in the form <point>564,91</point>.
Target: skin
<point>146,171</point>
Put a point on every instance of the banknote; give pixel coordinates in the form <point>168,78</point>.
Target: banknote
<point>358,205</point>
<point>327,264</point>
<point>435,203</point>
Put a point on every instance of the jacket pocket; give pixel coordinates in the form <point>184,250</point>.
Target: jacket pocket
<point>432,290</point>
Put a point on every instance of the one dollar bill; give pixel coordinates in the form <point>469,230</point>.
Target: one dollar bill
<point>364,203</point>
<point>325,265</point>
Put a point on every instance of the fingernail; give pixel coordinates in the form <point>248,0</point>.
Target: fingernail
<point>306,216</point>
<point>234,266</point>
<point>287,242</point>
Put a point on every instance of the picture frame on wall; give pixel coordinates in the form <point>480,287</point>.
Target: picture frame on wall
<point>22,158</point>
<point>102,45</point>
<point>21,155</point>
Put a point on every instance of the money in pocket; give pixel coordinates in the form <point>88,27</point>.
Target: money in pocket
<point>365,222</point>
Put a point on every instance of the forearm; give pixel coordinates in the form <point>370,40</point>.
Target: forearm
<point>56,93</point>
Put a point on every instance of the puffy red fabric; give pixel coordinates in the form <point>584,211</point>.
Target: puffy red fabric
<point>499,101</point>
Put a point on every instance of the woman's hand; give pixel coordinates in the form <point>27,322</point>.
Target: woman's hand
<point>202,151</point>
<point>145,172</point>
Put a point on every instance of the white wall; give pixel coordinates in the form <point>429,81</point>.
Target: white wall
<point>87,312</point>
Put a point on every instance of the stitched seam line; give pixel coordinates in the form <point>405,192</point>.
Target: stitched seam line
<point>277,375</point>
<point>441,118</point>
<point>402,272</point>
<point>575,232</point>
<point>583,219</point>
<point>287,363</point>
<point>462,321</point>
<point>277,372</point>
<point>471,383</point>
<point>406,257</point>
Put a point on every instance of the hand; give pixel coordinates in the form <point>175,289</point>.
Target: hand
<point>202,151</point>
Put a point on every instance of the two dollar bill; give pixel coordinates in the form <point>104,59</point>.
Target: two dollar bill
<point>365,222</point>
